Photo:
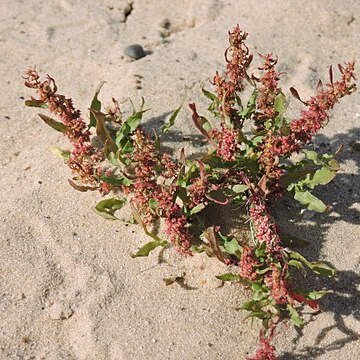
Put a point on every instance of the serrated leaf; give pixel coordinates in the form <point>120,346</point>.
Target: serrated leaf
<point>106,208</point>
<point>165,128</point>
<point>56,125</point>
<point>60,153</point>
<point>312,202</point>
<point>147,248</point>
<point>95,105</point>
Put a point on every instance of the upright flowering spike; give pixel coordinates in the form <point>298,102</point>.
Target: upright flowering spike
<point>84,157</point>
<point>267,92</point>
<point>307,124</point>
<point>238,59</point>
<point>265,227</point>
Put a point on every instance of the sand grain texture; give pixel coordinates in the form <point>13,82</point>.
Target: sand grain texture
<point>69,289</point>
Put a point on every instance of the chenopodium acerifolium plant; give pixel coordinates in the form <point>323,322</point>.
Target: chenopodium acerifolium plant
<point>247,170</point>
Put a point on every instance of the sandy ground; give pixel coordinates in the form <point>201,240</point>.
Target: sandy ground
<point>69,289</point>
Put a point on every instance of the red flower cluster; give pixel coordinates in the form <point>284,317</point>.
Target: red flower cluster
<point>84,157</point>
<point>276,282</point>
<point>145,176</point>
<point>175,220</point>
<point>308,124</point>
<point>265,227</point>
<point>267,91</point>
<point>266,350</point>
<point>228,140</point>
<point>232,81</point>
<point>247,264</point>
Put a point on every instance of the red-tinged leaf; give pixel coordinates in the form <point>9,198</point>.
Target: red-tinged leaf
<point>81,188</point>
<point>301,299</point>
<point>262,184</point>
<point>200,122</point>
<point>211,236</point>
<point>102,131</point>
<point>296,95</point>
<point>95,105</point>
<point>319,86</point>
<point>331,75</point>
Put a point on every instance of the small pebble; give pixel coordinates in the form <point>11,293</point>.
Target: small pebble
<point>135,51</point>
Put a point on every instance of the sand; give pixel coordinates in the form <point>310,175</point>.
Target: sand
<point>69,288</point>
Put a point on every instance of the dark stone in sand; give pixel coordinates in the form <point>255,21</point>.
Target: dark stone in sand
<point>135,51</point>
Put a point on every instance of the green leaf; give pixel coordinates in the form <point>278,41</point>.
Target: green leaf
<point>311,201</point>
<point>165,128</point>
<point>107,207</point>
<point>250,106</point>
<point>232,247</point>
<point>147,248</point>
<point>216,162</point>
<point>321,177</point>
<point>197,209</point>
<point>128,127</point>
<point>323,269</point>
<point>318,267</point>
<point>316,295</point>
<point>240,188</point>
<point>250,305</point>
<point>229,277</point>
<point>60,153</point>
<point>294,316</point>
<point>95,105</point>
<point>209,94</point>
<point>117,181</point>
<point>198,249</point>
<point>58,126</point>
<point>36,103</point>
<point>260,315</point>
<point>280,103</point>
<point>311,155</point>
<point>296,263</point>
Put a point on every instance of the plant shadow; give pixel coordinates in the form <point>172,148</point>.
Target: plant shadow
<point>341,194</point>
